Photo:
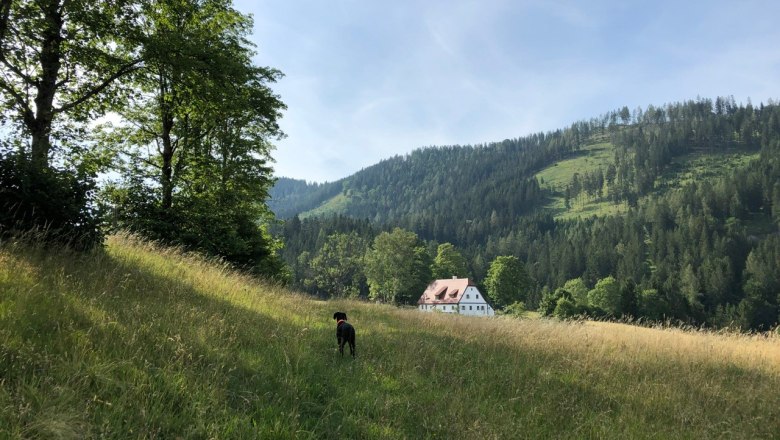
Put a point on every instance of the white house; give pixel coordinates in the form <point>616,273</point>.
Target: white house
<point>458,295</point>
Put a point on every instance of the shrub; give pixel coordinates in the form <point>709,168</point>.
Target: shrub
<point>565,308</point>
<point>53,204</point>
<point>516,309</point>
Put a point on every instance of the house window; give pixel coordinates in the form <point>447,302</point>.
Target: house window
<point>469,307</point>
<point>467,296</point>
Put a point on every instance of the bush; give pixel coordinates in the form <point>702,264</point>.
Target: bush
<point>516,309</point>
<point>54,205</point>
<point>550,300</point>
<point>565,308</point>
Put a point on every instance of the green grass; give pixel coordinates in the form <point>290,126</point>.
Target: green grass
<point>338,204</point>
<point>696,167</point>
<point>557,176</point>
<point>588,159</point>
<point>136,341</point>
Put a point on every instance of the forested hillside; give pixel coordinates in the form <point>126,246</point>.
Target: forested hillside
<point>290,197</point>
<point>696,186</point>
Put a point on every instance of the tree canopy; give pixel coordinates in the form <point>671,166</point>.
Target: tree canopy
<point>397,267</point>
<point>449,262</point>
<point>507,281</point>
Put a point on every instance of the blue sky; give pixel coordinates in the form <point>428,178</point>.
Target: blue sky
<point>366,80</point>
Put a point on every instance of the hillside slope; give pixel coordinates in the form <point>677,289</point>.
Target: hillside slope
<point>139,341</point>
<point>596,167</point>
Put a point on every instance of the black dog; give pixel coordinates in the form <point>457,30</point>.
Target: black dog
<point>345,333</point>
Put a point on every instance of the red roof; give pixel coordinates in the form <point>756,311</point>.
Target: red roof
<point>447,291</point>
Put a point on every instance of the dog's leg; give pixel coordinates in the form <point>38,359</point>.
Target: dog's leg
<point>352,348</point>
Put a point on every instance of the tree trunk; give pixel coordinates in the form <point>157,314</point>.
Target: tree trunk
<point>50,60</point>
<point>166,135</point>
<point>167,165</point>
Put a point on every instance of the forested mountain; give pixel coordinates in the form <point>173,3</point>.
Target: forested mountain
<point>431,181</point>
<point>696,186</point>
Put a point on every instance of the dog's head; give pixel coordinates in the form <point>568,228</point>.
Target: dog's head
<point>340,315</point>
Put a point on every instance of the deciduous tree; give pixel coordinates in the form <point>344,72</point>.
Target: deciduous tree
<point>396,267</point>
<point>507,281</point>
<point>195,144</point>
<point>448,262</point>
<point>337,268</point>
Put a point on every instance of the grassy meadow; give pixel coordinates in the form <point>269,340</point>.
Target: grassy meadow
<point>592,156</point>
<point>598,154</point>
<point>335,205</point>
<point>137,341</point>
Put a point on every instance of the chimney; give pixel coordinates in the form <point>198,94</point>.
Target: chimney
<point>454,277</point>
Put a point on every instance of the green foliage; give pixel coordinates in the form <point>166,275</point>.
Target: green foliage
<point>211,114</point>
<point>397,267</point>
<point>54,205</point>
<point>337,269</point>
<point>196,118</point>
<point>759,309</point>
<point>550,299</point>
<point>629,299</point>
<point>303,239</point>
<point>578,290</point>
<point>291,197</point>
<point>605,297</point>
<point>229,228</point>
<point>565,308</point>
<point>516,309</point>
<point>756,314</point>
<point>507,281</point>
<point>60,62</point>
<point>417,189</point>
<point>448,263</point>
<point>654,305</point>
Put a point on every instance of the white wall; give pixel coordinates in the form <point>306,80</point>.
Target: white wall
<point>473,303</point>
